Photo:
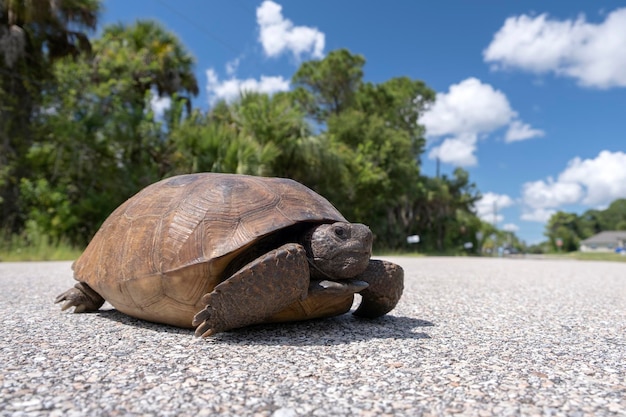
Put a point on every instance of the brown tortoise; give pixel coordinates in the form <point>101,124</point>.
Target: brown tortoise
<point>222,251</point>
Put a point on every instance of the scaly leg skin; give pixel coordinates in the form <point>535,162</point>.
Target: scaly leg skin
<point>260,289</point>
<point>82,297</point>
<point>386,282</point>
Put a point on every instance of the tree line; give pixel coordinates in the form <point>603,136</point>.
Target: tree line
<point>78,133</point>
<point>570,228</point>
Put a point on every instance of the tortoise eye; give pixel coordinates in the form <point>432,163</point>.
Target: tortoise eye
<point>341,232</point>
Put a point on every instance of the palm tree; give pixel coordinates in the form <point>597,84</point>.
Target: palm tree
<point>161,61</point>
<point>32,35</point>
<point>134,63</point>
<point>279,123</point>
<point>38,31</point>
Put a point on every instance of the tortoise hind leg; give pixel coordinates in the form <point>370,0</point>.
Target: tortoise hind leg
<point>82,297</point>
<point>260,289</point>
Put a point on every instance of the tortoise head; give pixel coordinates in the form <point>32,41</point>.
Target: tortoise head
<point>339,250</point>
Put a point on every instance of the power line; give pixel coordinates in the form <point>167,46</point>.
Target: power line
<point>242,5</point>
<point>197,26</point>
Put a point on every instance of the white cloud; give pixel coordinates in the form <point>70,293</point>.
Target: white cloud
<point>519,131</point>
<point>490,204</point>
<point>159,104</point>
<point>550,193</point>
<point>469,110</point>
<point>591,182</point>
<point>537,215</point>
<point>510,227</point>
<point>591,53</point>
<point>468,107</point>
<point>456,151</point>
<point>604,177</point>
<point>279,35</point>
<point>232,88</point>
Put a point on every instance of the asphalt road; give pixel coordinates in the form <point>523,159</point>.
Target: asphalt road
<point>472,337</point>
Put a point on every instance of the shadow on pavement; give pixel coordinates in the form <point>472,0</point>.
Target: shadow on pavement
<point>326,332</point>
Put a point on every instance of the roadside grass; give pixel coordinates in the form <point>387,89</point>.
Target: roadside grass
<point>391,252</point>
<point>581,256</point>
<point>415,254</point>
<point>18,249</point>
<point>589,256</point>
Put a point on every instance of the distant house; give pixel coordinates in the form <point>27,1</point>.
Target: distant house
<point>606,241</point>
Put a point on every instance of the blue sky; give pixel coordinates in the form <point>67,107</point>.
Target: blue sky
<point>531,95</point>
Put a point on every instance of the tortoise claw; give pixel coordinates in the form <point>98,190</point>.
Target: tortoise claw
<point>82,297</point>
<point>205,327</point>
<point>207,321</point>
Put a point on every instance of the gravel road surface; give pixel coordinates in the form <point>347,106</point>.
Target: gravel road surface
<point>473,337</point>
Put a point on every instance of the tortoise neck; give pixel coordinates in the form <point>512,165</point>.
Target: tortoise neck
<point>315,270</point>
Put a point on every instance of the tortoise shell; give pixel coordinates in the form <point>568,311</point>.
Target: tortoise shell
<point>158,253</point>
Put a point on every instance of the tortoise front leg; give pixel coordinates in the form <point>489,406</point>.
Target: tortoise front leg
<point>386,282</point>
<point>260,289</point>
<point>82,297</point>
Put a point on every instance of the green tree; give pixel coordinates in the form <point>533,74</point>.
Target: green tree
<point>444,210</point>
<point>377,126</point>
<point>258,134</point>
<point>570,228</point>
<point>614,216</point>
<point>151,57</point>
<point>563,227</point>
<point>327,87</point>
<point>382,173</point>
<point>493,238</point>
<point>101,140</point>
<point>589,223</point>
<point>203,144</point>
<point>137,63</point>
<point>33,35</point>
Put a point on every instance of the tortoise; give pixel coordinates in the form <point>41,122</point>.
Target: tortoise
<point>217,252</point>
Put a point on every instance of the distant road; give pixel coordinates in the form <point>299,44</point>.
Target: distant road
<point>470,337</point>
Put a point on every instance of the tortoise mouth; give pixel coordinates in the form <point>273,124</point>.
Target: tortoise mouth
<point>351,249</point>
<point>346,254</point>
<point>342,265</point>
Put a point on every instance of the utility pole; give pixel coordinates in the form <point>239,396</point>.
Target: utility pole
<point>495,229</point>
<point>438,162</point>
<point>495,214</point>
